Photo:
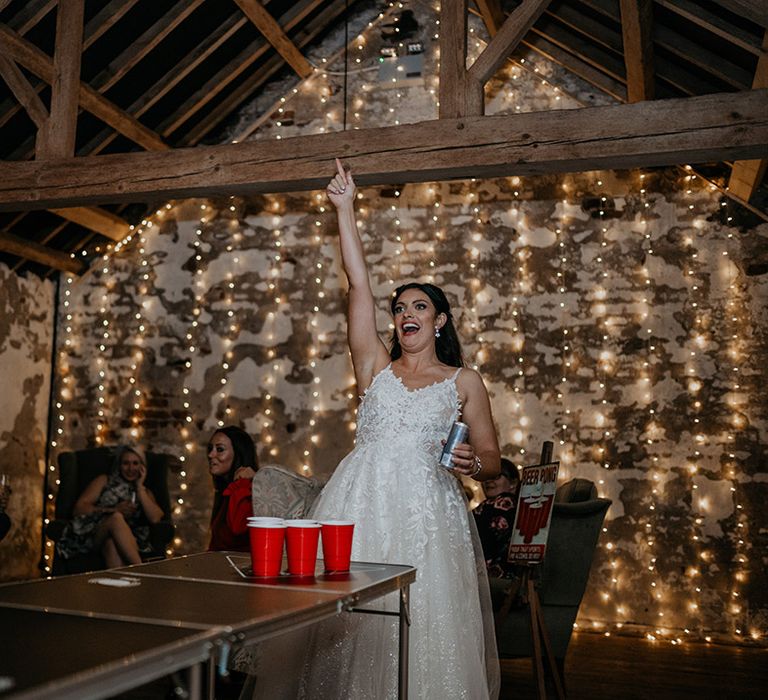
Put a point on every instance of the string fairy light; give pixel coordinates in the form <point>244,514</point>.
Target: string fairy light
<point>567,357</point>
<point>738,421</point>
<point>697,345</point>
<point>64,396</point>
<point>648,373</point>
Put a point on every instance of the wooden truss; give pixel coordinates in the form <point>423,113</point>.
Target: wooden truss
<point>462,143</point>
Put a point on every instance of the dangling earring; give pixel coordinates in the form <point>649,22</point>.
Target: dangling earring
<point>437,332</point>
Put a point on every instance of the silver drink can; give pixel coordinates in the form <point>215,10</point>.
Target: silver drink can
<point>459,433</point>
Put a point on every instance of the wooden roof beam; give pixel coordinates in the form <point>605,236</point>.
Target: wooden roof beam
<point>461,90</point>
<point>101,22</point>
<point>223,77</point>
<point>717,25</point>
<point>27,97</point>
<point>93,218</point>
<point>24,92</point>
<point>267,69</point>
<point>747,175</point>
<point>61,127</point>
<point>453,89</point>
<point>637,33</point>
<point>645,134</point>
<point>142,45</point>
<point>507,39</point>
<point>492,14</point>
<point>96,219</point>
<point>30,14</point>
<point>754,10</point>
<point>275,35</point>
<point>30,250</point>
<point>37,62</point>
<point>597,78</point>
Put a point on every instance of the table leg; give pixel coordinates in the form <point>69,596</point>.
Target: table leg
<point>211,678</point>
<point>195,680</point>
<point>405,623</point>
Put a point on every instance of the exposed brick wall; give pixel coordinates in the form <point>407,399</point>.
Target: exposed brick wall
<point>663,359</point>
<point>26,336</point>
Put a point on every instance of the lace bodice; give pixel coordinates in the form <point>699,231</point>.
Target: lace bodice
<point>391,414</point>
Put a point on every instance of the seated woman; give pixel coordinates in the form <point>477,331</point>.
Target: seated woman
<point>232,463</point>
<point>113,512</point>
<point>495,518</point>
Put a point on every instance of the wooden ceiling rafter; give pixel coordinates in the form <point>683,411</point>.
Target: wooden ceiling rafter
<point>276,36</point>
<point>754,10</point>
<point>56,130</point>
<point>606,54</point>
<point>57,140</point>
<point>170,80</point>
<point>714,24</point>
<point>731,75</point>
<point>29,250</point>
<point>31,14</point>
<point>103,221</point>
<point>746,175</point>
<point>705,60</point>
<point>143,45</point>
<point>637,39</point>
<point>94,29</point>
<point>682,66</point>
<point>95,219</point>
<point>616,89</point>
<point>231,71</point>
<point>506,40</point>
<point>303,36</point>
<point>462,90</point>
<point>492,14</point>
<point>36,61</point>
<point>23,91</point>
<point>645,134</point>
<point>130,57</point>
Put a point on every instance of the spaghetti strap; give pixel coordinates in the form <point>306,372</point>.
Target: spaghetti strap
<point>456,374</point>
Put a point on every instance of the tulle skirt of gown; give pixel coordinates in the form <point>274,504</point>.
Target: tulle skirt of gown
<point>407,510</point>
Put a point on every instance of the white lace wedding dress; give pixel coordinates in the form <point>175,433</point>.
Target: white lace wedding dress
<point>407,510</point>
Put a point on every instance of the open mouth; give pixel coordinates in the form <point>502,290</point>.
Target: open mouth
<point>410,328</point>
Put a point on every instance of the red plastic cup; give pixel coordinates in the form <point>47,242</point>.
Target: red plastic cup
<point>301,539</point>
<point>337,544</point>
<point>266,547</point>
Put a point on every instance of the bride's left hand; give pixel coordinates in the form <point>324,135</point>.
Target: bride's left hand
<point>463,457</point>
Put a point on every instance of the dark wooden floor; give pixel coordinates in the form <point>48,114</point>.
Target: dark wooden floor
<point>626,668</point>
<point>600,667</point>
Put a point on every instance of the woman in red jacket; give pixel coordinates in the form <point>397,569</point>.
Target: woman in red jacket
<point>232,462</point>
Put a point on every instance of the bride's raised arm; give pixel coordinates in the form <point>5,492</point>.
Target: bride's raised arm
<point>369,355</point>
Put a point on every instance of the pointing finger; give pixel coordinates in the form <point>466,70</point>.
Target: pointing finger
<point>340,169</point>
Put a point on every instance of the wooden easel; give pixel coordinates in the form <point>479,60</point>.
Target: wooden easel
<point>529,594</point>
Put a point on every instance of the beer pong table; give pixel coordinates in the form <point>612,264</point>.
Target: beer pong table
<point>95,635</point>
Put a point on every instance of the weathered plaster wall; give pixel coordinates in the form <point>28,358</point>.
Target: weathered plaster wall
<point>609,311</point>
<point>26,331</point>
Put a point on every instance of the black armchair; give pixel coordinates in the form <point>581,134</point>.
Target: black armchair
<point>76,470</point>
<point>577,519</point>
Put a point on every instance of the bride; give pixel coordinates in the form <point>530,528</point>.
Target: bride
<point>407,508</point>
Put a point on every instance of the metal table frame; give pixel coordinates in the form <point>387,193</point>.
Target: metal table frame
<point>208,642</point>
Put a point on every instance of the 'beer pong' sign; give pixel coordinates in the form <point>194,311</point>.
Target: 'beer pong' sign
<point>534,512</point>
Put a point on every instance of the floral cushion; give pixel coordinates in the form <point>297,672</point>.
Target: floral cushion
<point>281,493</point>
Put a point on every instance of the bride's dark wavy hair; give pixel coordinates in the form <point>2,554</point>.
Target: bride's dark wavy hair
<point>447,346</point>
